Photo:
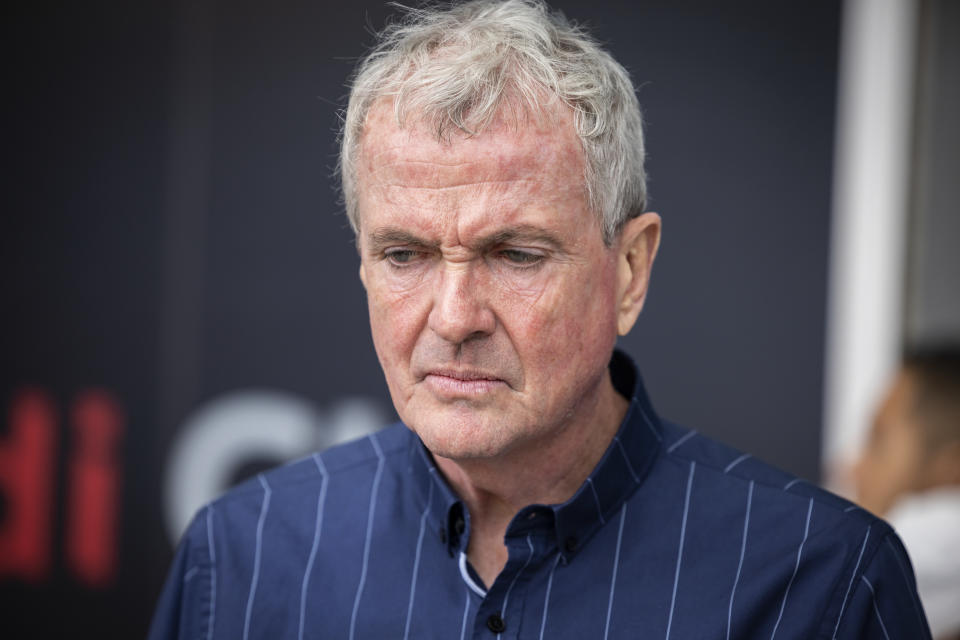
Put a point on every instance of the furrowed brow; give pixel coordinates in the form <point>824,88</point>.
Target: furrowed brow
<point>388,237</point>
<point>521,234</point>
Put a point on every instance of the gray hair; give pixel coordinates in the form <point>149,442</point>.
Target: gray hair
<point>459,65</point>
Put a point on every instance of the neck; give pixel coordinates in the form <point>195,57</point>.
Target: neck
<point>542,472</point>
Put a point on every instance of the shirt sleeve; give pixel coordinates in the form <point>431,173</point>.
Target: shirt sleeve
<point>881,599</point>
<point>186,605</point>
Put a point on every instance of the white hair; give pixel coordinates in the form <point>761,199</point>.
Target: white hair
<point>460,65</point>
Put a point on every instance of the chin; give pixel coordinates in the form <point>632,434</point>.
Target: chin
<point>460,437</point>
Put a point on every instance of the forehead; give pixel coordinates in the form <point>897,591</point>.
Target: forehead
<point>513,147</point>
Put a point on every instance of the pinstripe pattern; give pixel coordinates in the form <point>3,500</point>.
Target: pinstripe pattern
<point>626,459</point>
<point>787,486</point>
<point>213,572</point>
<point>264,507</point>
<point>506,597</point>
<point>416,563</point>
<point>681,440</point>
<point>596,499</point>
<point>683,533</point>
<point>786,592</point>
<point>736,462</point>
<point>843,605</point>
<point>366,544</point>
<point>648,421</point>
<point>317,527</point>
<point>616,565</point>
<point>378,502</point>
<point>907,581</point>
<point>546,598</point>
<point>873,598</point>
<point>743,550</point>
<point>466,613</point>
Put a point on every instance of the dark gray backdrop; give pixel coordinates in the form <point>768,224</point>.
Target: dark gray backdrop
<point>170,232</point>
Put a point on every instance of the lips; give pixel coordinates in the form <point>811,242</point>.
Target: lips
<point>455,383</point>
<point>464,375</point>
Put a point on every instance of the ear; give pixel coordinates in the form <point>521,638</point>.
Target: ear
<point>636,248</point>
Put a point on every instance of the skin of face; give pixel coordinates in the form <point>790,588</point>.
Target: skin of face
<point>494,303</point>
<point>894,460</point>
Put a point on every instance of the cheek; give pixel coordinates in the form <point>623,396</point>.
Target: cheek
<point>396,318</point>
<point>570,317</point>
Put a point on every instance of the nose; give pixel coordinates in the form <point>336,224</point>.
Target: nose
<point>460,307</point>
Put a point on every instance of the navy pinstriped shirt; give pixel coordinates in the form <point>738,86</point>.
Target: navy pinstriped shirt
<point>672,536</point>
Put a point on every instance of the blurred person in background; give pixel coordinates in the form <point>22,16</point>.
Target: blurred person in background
<point>909,473</point>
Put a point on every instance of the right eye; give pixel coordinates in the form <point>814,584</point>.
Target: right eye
<point>403,257</point>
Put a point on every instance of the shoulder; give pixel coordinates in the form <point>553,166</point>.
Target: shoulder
<point>349,461</point>
<point>266,530</point>
<point>289,492</point>
<point>779,500</point>
<point>733,469</point>
<point>279,509</point>
<point>826,551</point>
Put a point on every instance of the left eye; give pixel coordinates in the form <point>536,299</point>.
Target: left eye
<point>522,258</point>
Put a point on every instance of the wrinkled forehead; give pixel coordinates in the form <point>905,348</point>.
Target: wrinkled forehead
<point>514,145</point>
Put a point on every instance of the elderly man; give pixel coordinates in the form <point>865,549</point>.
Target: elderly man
<point>492,167</point>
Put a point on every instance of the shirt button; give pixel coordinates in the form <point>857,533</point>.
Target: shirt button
<point>570,544</point>
<point>495,623</point>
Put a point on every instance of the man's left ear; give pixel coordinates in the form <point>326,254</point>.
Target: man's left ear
<point>636,248</point>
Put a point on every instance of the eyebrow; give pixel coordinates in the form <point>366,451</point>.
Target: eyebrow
<point>521,233</point>
<point>390,236</point>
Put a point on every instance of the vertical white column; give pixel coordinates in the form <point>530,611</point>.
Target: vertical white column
<point>869,227</point>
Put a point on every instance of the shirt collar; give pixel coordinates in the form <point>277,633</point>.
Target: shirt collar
<point>446,513</point>
<point>618,474</point>
<point>622,468</point>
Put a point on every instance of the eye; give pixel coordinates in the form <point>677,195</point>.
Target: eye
<point>403,257</point>
<point>521,258</point>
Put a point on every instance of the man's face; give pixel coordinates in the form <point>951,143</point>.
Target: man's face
<point>892,462</point>
<point>492,296</point>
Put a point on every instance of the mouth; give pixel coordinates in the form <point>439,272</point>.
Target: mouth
<point>456,383</point>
